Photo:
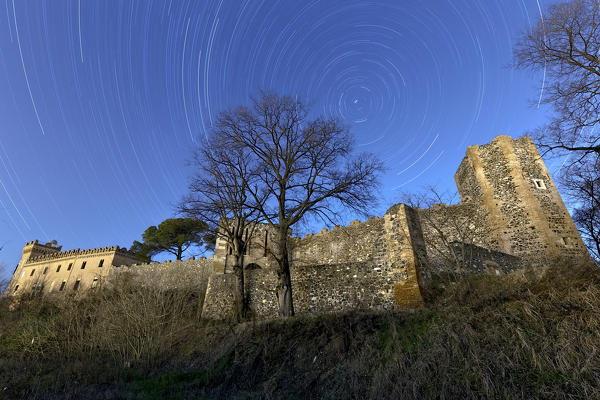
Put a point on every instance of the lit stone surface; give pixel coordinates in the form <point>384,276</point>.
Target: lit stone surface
<point>511,216</point>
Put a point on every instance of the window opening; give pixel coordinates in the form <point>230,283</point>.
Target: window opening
<point>76,286</point>
<point>539,184</point>
<point>62,286</point>
<point>70,266</point>
<point>45,270</point>
<point>266,242</point>
<point>101,263</point>
<point>32,272</point>
<point>58,268</point>
<point>83,264</point>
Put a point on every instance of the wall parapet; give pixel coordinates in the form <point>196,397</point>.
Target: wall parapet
<point>79,252</point>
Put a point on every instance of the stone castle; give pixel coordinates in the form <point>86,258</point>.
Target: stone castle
<point>510,217</point>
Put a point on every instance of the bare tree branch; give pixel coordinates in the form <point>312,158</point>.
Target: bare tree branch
<point>565,45</point>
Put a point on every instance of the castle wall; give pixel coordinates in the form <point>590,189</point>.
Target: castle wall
<point>261,239</point>
<point>358,242</point>
<point>511,213</point>
<point>458,239</point>
<point>366,265</point>
<point>45,270</point>
<point>182,274</point>
<point>316,289</point>
<point>508,180</point>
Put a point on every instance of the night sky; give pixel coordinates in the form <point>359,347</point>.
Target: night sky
<point>102,102</point>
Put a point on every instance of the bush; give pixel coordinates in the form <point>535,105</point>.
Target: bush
<point>525,335</point>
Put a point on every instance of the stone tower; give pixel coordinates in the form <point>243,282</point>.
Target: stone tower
<point>527,217</point>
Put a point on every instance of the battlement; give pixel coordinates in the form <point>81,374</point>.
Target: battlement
<point>79,252</point>
<point>510,216</point>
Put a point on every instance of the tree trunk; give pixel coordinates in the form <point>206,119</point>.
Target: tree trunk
<point>284,284</point>
<point>241,305</point>
<point>179,253</point>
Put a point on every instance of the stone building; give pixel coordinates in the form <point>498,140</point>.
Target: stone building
<point>511,216</point>
<point>44,268</point>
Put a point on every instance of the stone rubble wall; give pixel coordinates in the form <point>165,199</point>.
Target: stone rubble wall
<point>191,274</point>
<point>315,288</point>
<point>461,233</point>
<point>511,215</point>
<point>219,300</point>
<point>357,242</point>
<point>527,218</point>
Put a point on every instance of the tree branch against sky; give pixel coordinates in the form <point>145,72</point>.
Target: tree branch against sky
<point>302,167</point>
<point>219,195</point>
<point>565,44</point>
<point>582,182</point>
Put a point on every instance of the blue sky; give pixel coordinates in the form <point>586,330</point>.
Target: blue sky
<point>102,102</point>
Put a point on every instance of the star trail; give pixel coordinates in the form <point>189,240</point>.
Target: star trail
<point>102,102</point>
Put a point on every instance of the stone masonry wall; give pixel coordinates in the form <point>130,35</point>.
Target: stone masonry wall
<point>366,265</point>
<point>527,216</point>
<point>511,213</point>
<point>192,273</point>
<point>357,242</point>
<point>188,274</point>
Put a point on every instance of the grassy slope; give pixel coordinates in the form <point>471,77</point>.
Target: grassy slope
<point>484,337</point>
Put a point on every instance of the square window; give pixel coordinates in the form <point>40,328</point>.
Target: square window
<point>539,184</point>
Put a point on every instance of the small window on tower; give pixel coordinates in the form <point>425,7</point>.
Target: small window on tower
<point>58,268</point>
<point>76,286</point>
<point>62,286</point>
<point>83,265</point>
<point>32,272</point>
<point>266,243</point>
<point>70,266</point>
<point>101,263</point>
<point>45,270</point>
<point>16,288</point>
<point>539,184</point>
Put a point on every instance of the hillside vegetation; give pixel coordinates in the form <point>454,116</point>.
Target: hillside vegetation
<point>515,336</point>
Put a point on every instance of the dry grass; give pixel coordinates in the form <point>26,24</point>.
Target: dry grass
<point>519,336</point>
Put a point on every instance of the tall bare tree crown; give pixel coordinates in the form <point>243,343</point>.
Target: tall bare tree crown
<point>565,44</point>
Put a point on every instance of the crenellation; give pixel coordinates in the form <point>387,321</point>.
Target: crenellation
<point>510,217</point>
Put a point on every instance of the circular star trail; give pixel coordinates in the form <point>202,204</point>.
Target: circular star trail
<point>103,102</point>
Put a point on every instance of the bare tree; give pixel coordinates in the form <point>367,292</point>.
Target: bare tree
<point>220,196</point>
<point>582,181</point>
<point>565,44</point>
<point>451,231</point>
<point>302,168</point>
